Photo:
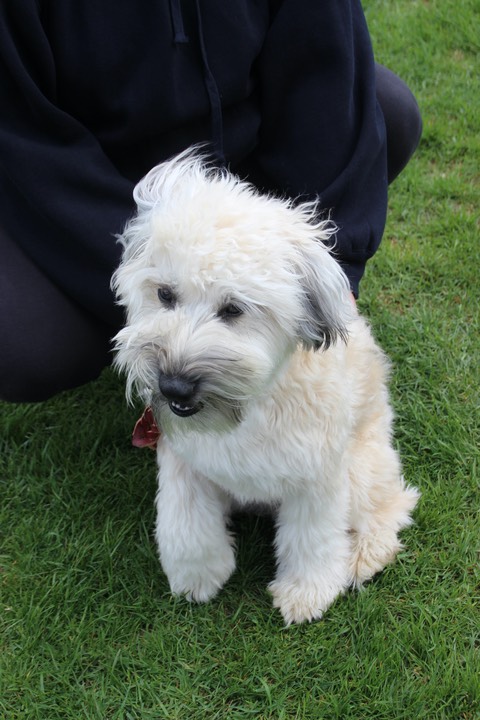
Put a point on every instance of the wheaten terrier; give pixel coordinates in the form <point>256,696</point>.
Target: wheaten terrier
<point>266,383</point>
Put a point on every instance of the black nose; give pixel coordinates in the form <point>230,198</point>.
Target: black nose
<point>176,388</point>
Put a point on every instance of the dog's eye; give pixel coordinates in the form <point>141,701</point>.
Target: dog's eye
<point>166,296</point>
<point>230,310</point>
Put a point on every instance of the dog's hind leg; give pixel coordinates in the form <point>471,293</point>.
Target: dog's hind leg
<point>380,505</point>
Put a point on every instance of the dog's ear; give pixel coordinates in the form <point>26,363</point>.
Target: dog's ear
<point>326,299</point>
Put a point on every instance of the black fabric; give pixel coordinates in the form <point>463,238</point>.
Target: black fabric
<point>403,120</point>
<point>49,344</point>
<point>92,95</point>
<point>403,123</point>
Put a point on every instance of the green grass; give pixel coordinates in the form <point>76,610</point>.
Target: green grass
<point>88,628</point>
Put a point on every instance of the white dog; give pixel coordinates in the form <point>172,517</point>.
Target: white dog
<point>266,383</point>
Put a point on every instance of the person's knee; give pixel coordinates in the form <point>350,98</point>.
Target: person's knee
<point>31,378</point>
<point>19,384</point>
<point>49,343</point>
<point>40,363</point>
<point>403,119</point>
<point>408,126</point>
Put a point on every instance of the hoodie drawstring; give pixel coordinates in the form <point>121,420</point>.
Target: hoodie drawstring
<point>211,86</point>
<point>179,35</point>
<point>213,95</point>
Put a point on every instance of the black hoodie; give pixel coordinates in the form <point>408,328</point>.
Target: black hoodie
<point>93,94</point>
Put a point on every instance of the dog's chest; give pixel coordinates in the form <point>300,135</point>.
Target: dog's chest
<point>251,469</point>
<point>289,441</point>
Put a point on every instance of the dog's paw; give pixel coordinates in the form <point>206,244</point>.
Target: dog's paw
<point>371,553</point>
<point>200,582</point>
<point>301,601</point>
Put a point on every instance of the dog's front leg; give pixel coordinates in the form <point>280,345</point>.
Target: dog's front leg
<point>312,546</point>
<point>196,550</point>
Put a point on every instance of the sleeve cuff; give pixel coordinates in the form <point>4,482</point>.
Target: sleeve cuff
<point>354,273</point>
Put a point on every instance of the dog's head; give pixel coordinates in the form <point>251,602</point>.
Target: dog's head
<point>220,285</point>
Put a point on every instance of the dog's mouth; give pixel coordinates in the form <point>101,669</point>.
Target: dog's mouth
<point>183,409</point>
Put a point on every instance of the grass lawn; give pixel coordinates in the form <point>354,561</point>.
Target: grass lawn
<point>88,628</point>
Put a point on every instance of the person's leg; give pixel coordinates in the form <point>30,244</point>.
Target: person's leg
<point>47,343</point>
<point>402,119</point>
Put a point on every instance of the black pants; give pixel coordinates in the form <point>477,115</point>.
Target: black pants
<point>48,344</point>
<point>402,120</point>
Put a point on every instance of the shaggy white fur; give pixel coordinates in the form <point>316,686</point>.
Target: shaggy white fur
<point>266,383</point>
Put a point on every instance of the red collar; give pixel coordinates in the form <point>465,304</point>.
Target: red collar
<point>146,432</point>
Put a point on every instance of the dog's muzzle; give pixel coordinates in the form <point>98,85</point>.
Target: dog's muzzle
<point>181,394</point>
